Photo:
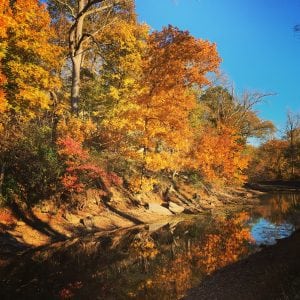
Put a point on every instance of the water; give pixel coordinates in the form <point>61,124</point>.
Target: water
<point>275,218</point>
<point>158,261</point>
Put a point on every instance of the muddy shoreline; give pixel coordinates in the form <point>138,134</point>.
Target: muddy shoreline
<point>272,273</point>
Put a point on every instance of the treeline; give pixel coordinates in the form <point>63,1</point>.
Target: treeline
<point>278,159</point>
<point>89,97</point>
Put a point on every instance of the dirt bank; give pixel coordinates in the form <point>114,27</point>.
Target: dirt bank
<point>48,222</point>
<point>272,273</point>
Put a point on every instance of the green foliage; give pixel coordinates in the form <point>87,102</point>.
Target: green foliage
<point>32,167</point>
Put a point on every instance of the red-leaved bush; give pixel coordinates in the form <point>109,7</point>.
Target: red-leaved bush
<point>80,171</point>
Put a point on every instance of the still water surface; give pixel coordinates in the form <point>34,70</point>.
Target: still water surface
<point>158,261</point>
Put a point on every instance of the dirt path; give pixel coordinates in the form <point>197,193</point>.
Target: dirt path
<point>273,273</point>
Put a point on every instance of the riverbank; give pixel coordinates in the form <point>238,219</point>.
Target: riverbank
<point>272,273</point>
<point>275,186</point>
<point>160,260</point>
<point>22,228</point>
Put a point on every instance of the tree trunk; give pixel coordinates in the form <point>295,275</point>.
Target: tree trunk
<point>76,54</point>
<point>75,89</point>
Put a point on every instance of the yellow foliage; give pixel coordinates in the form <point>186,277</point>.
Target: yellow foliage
<point>76,128</point>
<point>138,182</point>
<point>30,59</point>
<point>5,22</point>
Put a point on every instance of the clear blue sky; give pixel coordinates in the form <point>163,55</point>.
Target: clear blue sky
<point>255,39</point>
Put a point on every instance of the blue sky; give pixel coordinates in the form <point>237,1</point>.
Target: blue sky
<point>255,39</point>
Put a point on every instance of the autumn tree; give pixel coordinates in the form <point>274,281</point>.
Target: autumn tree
<point>222,124</point>
<point>292,134</point>
<point>175,63</point>
<point>30,66</point>
<point>86,21</point>
<point>268,161</point>
<point>219,156</point>
<point>115,108</point>
<point>30,61</point>
<point>278,159</point>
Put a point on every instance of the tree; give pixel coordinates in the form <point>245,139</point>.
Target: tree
<point>87,19</point>
<point>269,161</point>
<point>219,155</point>
<point>224,108</point>
<point>31,60</point>
<point>292,134</point>
<point>123,45</point>
<point>29,66</point>
<point>175,63</point>
<point>5,20</point>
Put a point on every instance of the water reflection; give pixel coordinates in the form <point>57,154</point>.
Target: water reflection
<point>276,218</point>
<point>149,262</point>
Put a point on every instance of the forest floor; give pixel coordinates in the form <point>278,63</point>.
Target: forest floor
<point>272,273</point>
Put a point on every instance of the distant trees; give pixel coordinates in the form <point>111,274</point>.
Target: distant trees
<point>292,135</point>
<point>279,159</point>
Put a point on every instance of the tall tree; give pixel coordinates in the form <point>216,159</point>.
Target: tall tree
<point>87,18</point>
<point>176,62</point>
<point>292,133</point>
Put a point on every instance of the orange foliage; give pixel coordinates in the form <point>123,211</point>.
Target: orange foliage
<point>7,217</point>
<point>175,62</point>
<point>269,161</point>
<point>219,155</point>
<point>5,19</point>
<point>78,129</point>
<point>224,247</point>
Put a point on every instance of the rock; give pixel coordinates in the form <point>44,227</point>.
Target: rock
<point>158,209</point>
<point>88,222</point>
<point>20,223</point>
<point>175,208</point>
<point>196,197</point>
<point>191,211</point>
<point>165,204</point>
<point>93,196</point>
<point>73,219</point>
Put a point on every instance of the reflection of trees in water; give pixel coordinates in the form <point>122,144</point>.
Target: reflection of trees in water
<point>229,243</point>
<point>135,263</point>
<point>279,206</point>
<point>192,258</point>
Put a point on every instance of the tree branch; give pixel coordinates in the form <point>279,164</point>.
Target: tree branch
<point>67,6</point>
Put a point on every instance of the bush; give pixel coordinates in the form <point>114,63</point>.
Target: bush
<point>32,167</point>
